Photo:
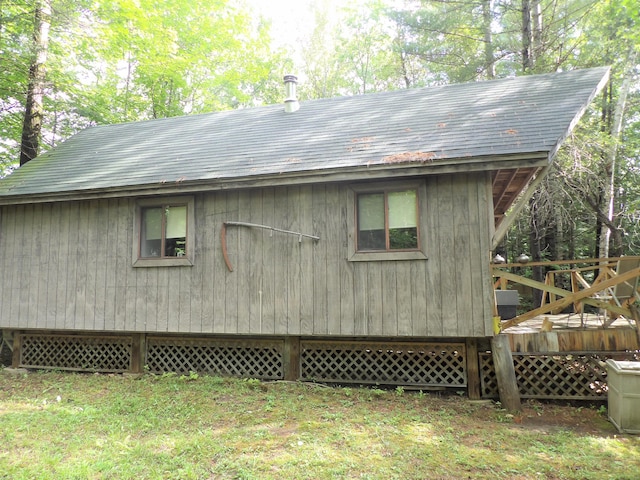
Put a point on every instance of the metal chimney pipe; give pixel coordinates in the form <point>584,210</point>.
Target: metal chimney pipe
<point>291,103</point>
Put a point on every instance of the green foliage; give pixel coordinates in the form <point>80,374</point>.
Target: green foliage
<point>126,60</point>
<point>168,58</point>
<point>352,51</point>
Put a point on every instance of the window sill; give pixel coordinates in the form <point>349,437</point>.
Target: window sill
<point>163,262</point>
<point>384,256</point>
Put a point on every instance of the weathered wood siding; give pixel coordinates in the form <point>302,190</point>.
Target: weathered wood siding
<point>69,266</point>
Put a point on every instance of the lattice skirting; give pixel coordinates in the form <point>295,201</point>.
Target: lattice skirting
<point>565,375</point>
<point>76,352</point>
<point>243,358</point>
<point>385,363</point>
<point>331,361</point>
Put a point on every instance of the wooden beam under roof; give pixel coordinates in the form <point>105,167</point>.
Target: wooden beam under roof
<point>506,186</point>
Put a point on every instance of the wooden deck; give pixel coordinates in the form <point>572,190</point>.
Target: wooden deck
<point>569,321</point>
<point>574,333</point>
<point>608,286</point>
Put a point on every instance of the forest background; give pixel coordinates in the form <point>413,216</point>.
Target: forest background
<point>66,65</point>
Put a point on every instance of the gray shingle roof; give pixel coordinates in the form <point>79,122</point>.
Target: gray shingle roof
<point>426,126</point>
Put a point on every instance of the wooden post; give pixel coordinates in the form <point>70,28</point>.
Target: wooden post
<point>17,348</point>
<point>505,373</point>
<point>138,352</point>
<point>291,358</point>
<point>473,370</point>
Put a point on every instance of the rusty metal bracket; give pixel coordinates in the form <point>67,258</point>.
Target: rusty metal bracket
<point>223,236</point>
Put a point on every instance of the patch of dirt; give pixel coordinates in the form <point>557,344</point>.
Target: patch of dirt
<point>550,417</point>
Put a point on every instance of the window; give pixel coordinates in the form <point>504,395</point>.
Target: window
<point>164,232</point>
<point>388,221</point>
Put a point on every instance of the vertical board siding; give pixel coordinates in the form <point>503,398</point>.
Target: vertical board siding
<point>347,309</point>
<point>255,265</point>
<point>242,290</point>
<point>335,255</point>
<point>99,251</point>
<point>270,287</point>
<point>219,272</point>
<point>463,233</point>
<point>319,252</point>
<point>41,257</point>
<point>306,215</point>
<point>25,230</point>
<point>482,282</point>
<point>68,266</point>
<point>433,246</point>
<point>373,291</point>
<point>71,260</point>
<point>205,236</point>
<point>448,257</point>
<point>292,253</point>
<point>54,285</point>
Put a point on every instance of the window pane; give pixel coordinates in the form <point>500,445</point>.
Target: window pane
<point>176,222</point>
<point>402,209</point>
<point>403,238</point>
<point>403,231</point>
<point>371,222</point>
<point>176,234</point>
<point>150,236</point>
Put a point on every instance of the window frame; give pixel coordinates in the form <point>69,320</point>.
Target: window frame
<point>187,259</point>
<point>355,255</point>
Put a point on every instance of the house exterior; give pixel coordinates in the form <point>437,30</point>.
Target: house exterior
<point>352,224</point>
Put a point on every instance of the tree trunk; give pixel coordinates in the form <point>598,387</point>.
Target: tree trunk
<point>487,18</point>
<point>527,37</point>
<point>535,243</point>
<point>536,34</point>
<point>610,166</point>
<point>32,124</point>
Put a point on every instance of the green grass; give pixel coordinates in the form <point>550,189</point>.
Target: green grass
<point>68,426</point>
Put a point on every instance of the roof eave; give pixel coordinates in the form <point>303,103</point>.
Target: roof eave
<point>344,174</point>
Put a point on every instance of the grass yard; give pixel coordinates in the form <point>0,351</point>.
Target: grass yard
<point>80,426</point>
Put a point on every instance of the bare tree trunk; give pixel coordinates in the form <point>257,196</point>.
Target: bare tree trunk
<point>527,37</point>
<point>535,243</point>
<point>34,111</point>
<point>609,226</point>
<point>487,18</point>
<point>536,35</point>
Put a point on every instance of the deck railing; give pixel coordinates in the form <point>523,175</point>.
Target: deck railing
<point>608,284</point>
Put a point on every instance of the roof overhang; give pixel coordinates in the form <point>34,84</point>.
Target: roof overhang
<point>506,186</point>
<point>501,168</point>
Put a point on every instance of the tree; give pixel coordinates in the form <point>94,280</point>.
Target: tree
<point>320,64</point>
<point>456,41</point>
<point>32,125</point>
<point>603,151</point>
<point>123,60</point>
<point>165,58</point>
<point>16,30</point>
